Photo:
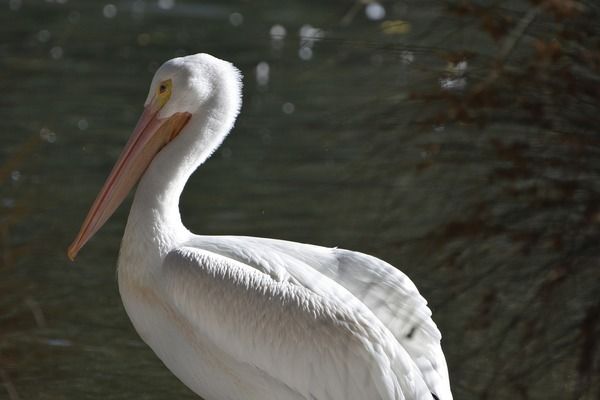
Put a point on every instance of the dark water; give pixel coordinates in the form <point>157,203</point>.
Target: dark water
<point>322,153</point>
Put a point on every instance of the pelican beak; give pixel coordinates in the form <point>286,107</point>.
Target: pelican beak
<point>150,135</point>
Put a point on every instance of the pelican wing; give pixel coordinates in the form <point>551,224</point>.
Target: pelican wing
<point>319,342</point>
<point>384,290</point>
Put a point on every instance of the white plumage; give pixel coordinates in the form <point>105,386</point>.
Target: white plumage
<point>246,318</point>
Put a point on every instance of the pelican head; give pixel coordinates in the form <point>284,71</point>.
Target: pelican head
<point>194,83</point>
<point>184,92</point>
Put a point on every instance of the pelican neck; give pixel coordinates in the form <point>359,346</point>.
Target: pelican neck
<point>154,215</point>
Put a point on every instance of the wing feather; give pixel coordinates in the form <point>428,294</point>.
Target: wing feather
<point>383,289</point>
<point>321,346</point>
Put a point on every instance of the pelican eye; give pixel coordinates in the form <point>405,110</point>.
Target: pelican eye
<point>164,89</point>
<point>163,92</point>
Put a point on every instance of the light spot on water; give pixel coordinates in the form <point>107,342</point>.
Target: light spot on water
<point>305,53</point>
<point>47,135</point>
<point>56,52</point>
<point>262,73</point>
<point>15,175</point>
<point>236,19</point>
<point>288,108</point>
<point>166,4</point>
<point>458,68</point>
<point>375,11</point>
<point>455,78</point>
<point>453,83</point>
<point>43,36</point>
<point>109,11</point>
<point>82,124</point>
<point>277,32</point>
<point>407,57</point>
<point>309,35</point>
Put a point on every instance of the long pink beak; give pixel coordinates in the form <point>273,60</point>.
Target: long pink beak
<point>150,135</point>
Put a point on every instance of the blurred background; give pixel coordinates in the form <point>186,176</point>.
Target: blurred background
<point>458,140</point>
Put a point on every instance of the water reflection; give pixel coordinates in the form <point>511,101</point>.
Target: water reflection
<point>325,147</point>
<point>109,11</point>
<point>262,73</point>
<point>375,11</point>
<point>309,35</point>
<point>236,19</point>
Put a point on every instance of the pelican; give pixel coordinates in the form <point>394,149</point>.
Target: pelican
<point>247,318</point>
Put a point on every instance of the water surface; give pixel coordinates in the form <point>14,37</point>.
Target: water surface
<point>323,152</point>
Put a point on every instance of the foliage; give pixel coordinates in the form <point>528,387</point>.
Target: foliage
<point>533,107</point>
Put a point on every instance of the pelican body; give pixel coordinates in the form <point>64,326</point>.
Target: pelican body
<point>244,318</point>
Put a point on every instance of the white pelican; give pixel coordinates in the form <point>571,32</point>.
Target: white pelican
<point>244,318</point>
